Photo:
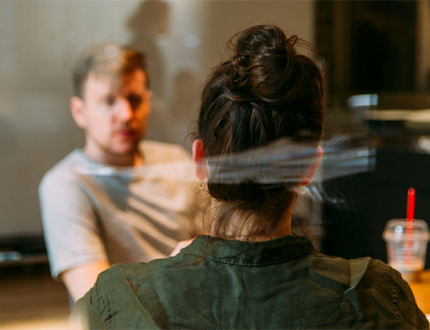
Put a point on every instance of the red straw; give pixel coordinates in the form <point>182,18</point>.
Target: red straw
<point>410,210</point>
<point>411,204</point>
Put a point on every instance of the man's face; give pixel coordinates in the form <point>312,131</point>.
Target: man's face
<point>114,116</point>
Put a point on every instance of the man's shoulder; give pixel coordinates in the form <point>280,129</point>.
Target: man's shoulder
<point>161,152</point>
<point>63,171</point>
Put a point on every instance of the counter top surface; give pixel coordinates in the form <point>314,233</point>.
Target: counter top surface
<point>421,290</point>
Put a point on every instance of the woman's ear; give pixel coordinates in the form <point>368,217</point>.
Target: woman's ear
<point>313,167</point>
<point>77,106</point>
<point>199,159</point>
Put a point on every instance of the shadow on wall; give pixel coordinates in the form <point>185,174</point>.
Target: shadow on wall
<point>152,19</point>
<point>184,107</point>
<point>8,137</point>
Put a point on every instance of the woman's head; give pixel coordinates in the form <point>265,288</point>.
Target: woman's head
<point>265,92</point>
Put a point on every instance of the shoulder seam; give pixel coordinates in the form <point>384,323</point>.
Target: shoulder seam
<point>395,300</point>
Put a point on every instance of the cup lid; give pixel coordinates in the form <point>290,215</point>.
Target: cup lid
<point>396,229</point>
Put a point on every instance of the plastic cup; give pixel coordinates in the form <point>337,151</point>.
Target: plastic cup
<point>406,247</point>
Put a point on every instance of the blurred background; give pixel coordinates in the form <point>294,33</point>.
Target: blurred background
<point>375,55</point>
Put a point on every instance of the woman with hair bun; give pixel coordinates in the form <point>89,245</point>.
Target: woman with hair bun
<point>260,123</point>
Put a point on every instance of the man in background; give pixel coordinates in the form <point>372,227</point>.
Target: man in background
<point>117,198</point>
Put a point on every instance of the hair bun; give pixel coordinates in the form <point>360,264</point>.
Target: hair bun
<point>263,63</point>
<point>261,40</point>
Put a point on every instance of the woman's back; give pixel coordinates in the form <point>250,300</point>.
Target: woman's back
<point>278,284</point>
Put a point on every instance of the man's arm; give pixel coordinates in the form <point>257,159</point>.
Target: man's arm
<point>75,247</point>
<point>81,279</point>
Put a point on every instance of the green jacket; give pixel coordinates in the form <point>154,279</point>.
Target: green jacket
<point>224,284</point>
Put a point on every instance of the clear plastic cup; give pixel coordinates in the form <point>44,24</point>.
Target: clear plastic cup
<point>406,244</point>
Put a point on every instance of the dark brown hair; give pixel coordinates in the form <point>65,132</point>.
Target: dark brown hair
<point>110,59</point>
<point>265,92</point>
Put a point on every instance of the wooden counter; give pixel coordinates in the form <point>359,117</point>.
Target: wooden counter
<point>421,290</point>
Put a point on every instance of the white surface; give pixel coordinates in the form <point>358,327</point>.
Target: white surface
<point>419,116</point>
<point>387,115</point>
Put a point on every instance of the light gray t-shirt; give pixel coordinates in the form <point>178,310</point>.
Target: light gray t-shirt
<point>92,212</point>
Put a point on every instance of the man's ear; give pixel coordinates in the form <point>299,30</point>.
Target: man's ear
<point>150,94</point>
<point>313,167</point>
<point>77,108</point>
<point>199,159</point>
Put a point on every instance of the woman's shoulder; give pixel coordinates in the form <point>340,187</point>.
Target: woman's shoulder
<point>373,289</point>
<point>121,297</point>
<point>114,284</point>
<point>349,275</point>
<point>124,276</point>
<point>350,272</point>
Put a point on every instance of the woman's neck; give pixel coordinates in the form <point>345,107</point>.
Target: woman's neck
<point>241,229</point>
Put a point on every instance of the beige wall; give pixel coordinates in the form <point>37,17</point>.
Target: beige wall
<point>39,41</point>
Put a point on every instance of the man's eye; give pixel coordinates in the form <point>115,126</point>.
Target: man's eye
<point>135,101</point>
<point>109,101</point>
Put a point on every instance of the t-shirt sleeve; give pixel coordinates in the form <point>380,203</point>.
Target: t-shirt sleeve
<point>71,229</point>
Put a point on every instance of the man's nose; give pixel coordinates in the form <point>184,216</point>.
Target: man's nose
<point>125,110</point>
